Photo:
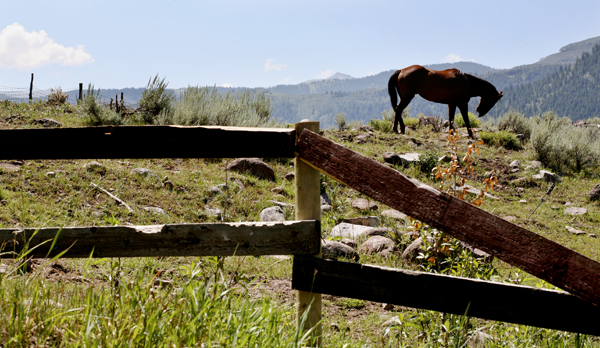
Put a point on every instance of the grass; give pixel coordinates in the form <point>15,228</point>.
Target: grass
<point>242,301</point>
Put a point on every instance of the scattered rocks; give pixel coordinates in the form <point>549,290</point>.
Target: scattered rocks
<point>534,165</point>
<point>401,160</point>
<point>8,167</point>
<point>47,123</point>
<point>549,177</point>
<point>289,176</point>
<point>254,167</point>
<point>95,167</point>
<point>364,204</point>
<point>144,172</point>
<point>155,210</point>
<point>575,211</point>
<point>412,251</point>
<point>371,221</point>
<point>594,193</point>
<point>394,214</point>
<point>272,214</point>
<point>379,245</point>
<point>574,231</point>
<point>333,250</point>
<point>346,230</point>
<point>515,164</point>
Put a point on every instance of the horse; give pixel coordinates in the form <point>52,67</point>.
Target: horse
<point>452,87</point>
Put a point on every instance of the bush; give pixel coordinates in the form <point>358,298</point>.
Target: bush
<point>57,96</point>
<point>93,112</point>
<point>473,120</point>
<point>340,120</point>
<point>428,161</point>
<point>561,146</point>
<point>382,126</point>
<point>155,100</point>
<point>515,122</point>
<point>503,138</point>
<point>205,106</point>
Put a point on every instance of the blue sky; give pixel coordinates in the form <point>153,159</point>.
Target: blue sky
<point>120,44</point>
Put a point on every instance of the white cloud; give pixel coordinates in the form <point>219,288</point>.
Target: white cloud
<point>269,66</point>
<point>226,85</point>
<point>325,74</point>
<point>287,79</point>
<point>23,50</point>
<point>453,58</point>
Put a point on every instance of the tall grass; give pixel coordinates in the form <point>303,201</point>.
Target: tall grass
<point>205,106</point>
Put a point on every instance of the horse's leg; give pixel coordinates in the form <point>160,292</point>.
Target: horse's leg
<point>464,111</point>
<point>398,119</point>
<point>451,111</point>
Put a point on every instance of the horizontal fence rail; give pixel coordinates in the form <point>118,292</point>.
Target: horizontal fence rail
<point>205,239</point>
<point>146,142</point>
<point>477,298</point>
<point>511,243</point>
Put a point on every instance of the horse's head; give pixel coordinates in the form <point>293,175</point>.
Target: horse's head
<point>487,102</point>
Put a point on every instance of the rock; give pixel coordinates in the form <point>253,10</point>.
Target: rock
<point>510,218</point>
<point>349,242</point>
<point>594,193</point>
<point>378,245</point>
<point>346,230</point>
<point>8,167</point>
<point>95,167</point>
<point>281,204</point>
<point>377,231</point>
<point>574,231</point>
<point>333,250</point>
<point>401,160</point>
<point>362,138</point>
<point>534,165</point>
<point>51,174</point>
<point>575,211</point>
<point>394,214</point>
<point>47,122</point>
<point>549,177</point>
<point>272,214</point>
<point>216,190</point>
<point>364,204</point>
<point>371,221</point>
<point>216,212</point>
<point>144,172</point>
<point>523,201</point>
<point>168,184</point>
<point>279,190</point>
<point>326,208</point>
<point>254,167</point>
<point>289,176</point>
<point>515,164</point>
<point>412,251</point>
<point>325,199</point>
<point>365,128</point>
<point>155,210</point>
<point>592,235</point>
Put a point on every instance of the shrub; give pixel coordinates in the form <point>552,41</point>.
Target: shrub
<point>503,138</point>
<point>382,126</point>
<point>473,120</point>
<point>428,161</point>
<point>205,106</point>
<point>155,100</point>
<point>561,146</point>
<point>57,96</point>
<point>515,122</point>
<point>340,120</point>
<point>93,112</point>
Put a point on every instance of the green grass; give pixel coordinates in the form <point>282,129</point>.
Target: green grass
<point>245,301</point>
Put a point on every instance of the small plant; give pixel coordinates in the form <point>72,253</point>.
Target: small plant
<point>381,126</point>
<point>516,123</point>
<point>428,161</point>
<point>57,97</point>
<point>155,100</point>
<point>473,120</point>
<point>340,120</point>
<point>502,138</point>
<point>350,303</point>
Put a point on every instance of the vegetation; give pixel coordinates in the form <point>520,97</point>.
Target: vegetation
<point>473,120</point>
<point>156,101</point>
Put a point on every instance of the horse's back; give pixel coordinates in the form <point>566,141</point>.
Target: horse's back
<point>433,85</point>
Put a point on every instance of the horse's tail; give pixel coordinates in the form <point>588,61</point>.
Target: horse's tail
<point>392,89</point>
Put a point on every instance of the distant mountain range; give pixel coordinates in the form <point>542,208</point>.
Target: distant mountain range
<point>365,98</point>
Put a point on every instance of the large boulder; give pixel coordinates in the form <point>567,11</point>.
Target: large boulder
<point>272,214</point>
<point>371,221</point>
<point>254,167</point>
<point>333,250</point>
<point>594,193</point>
<point>379,245</point>
<point>346,230</point>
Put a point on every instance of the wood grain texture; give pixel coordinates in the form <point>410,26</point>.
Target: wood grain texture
<point>482,299</point>
<point>513,244</point>
<point>207,239</point>
<point>146,142</point>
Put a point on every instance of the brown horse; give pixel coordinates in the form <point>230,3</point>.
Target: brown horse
<point>452,87</point>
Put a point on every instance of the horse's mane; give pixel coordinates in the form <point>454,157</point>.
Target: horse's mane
<point>479,83</point>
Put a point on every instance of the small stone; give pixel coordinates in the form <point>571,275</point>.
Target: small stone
<point>8,167</point>
<point>549,177</point>
<point>144,172</point>
<point>371,221</point>
<point>364,204</point>
<point>326,208</point>
<point>523,201</point>
<point>279,190</point>
<point>394,214</point>
<point>51,174</point>
<point>592,235</point>
<point>515,164</point>
<point>534,165</point>
<point>272,214</point>
<point>574,231</point>
<point>594,193</point>
<point>254,167</point>
<point>155,210</point>
<point>575,211</point>
<point>289,176</point>
<point>510,218</point>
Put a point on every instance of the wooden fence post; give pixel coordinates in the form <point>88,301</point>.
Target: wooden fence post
<point>80,91</point>
<point>31,88</point>
<point>308,207</point>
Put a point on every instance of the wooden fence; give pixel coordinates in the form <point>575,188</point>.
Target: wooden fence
<point>576,311</point>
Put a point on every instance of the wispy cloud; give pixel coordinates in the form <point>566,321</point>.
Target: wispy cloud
<point>269,66</point>
<point>226,85</point>
<point>22,50</point>
<point>325,74</point>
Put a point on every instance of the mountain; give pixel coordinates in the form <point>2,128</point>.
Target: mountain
<point>569,53</point>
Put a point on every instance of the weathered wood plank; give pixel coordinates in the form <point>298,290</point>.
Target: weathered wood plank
<point>487,300</point>
<point>146,142</point>
<point>207,239</point>
<point>515,245</point>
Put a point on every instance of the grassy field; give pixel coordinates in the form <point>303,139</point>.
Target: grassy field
<point>245,301</point>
